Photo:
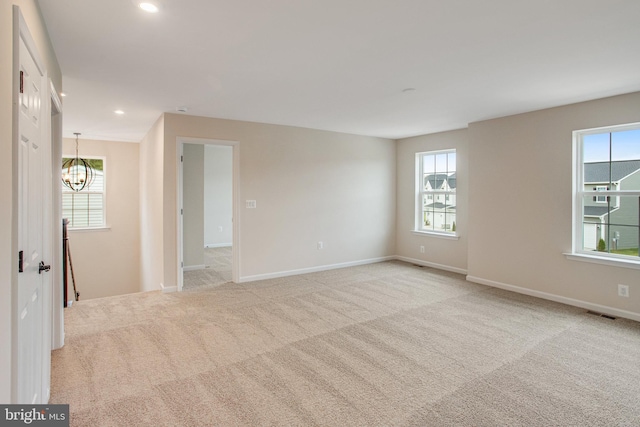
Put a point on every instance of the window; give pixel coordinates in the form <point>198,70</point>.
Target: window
<point>85,209</point>
<point>601,199</point>
<point>436,192</point>
<point>607,192</point>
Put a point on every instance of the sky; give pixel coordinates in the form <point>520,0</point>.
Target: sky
<point>625,145</point>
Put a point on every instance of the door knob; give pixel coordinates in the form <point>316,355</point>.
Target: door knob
<point>43,267</point>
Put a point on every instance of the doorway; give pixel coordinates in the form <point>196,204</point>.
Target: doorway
<point>208,246</point>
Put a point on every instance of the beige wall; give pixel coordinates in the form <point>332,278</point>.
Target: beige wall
<point>309,186</point>
<point>520,195</point>
<point>193,204</point>
<point>218,195</point>
<point>8,191</point>
<point>152,263</point>
<point>445,253</point>
<point>107,262</point>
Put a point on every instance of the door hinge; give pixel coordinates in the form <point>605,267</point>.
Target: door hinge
<point>182,264</point>
<point>21,81</point>
<point>181,211</point>
<point>20,262</point>
<point>181,158</point>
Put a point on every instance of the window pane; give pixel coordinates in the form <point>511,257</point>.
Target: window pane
<point>611,227</point>
<point>451,162</point>
<point>428,164</point>
<point>625,145</point>
<point>441,163</point>
<point>595,148</point>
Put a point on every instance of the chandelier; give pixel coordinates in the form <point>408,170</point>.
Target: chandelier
<point>77,173</point>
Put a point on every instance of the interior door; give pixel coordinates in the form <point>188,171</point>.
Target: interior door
<point>34,331</point>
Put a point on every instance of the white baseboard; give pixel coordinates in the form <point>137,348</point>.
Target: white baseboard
<point>218,245</point>
<point>557,298</point>
<point>431,264</point>
<point>167,289</point>
<point>313,269</point>
<point>193,267</point>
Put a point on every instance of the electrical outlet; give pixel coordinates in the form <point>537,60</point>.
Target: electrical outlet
<point>421,249</point>
<point>320,245</point>
<point>623,291</point>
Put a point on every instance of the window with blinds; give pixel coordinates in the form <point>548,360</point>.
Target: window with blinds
<point>86,208</point>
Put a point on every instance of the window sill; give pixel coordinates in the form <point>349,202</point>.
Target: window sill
<point>89,229</point>
<point>613,262</point>
<point>449,236</point>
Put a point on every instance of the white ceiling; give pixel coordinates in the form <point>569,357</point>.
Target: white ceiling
<point>338,65</point>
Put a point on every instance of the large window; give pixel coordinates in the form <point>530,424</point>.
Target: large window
<point>85,209</point>
<point>607,192</point>
<point>436,192</point>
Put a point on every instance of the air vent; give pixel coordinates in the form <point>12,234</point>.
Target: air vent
<point>606,316</point>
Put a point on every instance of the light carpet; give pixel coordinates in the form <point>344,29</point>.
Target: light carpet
<point>386,344</point>
<point>217,269</point>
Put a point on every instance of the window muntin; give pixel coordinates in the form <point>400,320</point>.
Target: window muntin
<point>607,200</point>
<point>436,192</point>
<point>86,208</point>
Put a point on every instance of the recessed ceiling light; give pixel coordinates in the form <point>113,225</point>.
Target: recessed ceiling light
<point>62,94</point>
<point>409,89</point>
<point>120,112</point>
<point>148,7</point>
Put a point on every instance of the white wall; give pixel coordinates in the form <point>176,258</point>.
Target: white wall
<point>107,262</point>
<point>520,195</point>
<point>193,204</point>
<point>8,173</point>
<point>152,263</point>
<point>218,196</point>
<point>444,253</point>
<point>309,186</point>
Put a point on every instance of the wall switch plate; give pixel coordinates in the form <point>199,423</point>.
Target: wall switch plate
<point>421,249</point>
<point>623,291</point>
<point>320,245</point>
<point>251,204</point>
<point>220,229</point>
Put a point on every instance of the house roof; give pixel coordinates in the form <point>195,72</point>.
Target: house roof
<point>595,210</point>
<point>436,180</point>
<point>598,172</point>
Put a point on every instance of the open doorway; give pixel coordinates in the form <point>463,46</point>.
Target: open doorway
<point>206,187</point>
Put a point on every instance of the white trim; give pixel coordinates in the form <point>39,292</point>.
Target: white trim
<point>557,298</point>
<point>89,229</point>
<point>450,236</point>
<point>313,269</point>
<point>168,289</point>
<point>218,245</point>
<point>432,265</point>
<point>194,267</point>
<point>604,260</point>
<point>55,125</point>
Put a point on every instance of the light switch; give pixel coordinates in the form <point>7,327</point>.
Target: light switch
<point>251,204</point>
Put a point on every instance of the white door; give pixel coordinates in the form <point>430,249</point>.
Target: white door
<point>34,331</point>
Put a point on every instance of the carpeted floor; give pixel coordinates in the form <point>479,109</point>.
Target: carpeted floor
<point>217,269</point>
<point>387,344</point>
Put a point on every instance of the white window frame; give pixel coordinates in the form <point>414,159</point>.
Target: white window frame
<point>103,192</point>
<point>579,194</point>
<point>435,194</point>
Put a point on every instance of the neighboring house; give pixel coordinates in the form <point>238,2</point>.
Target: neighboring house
<point>440,208</point>
<point>616,220</point>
